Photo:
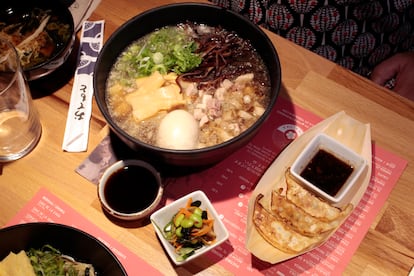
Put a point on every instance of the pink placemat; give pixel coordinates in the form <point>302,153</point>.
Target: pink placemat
<point>229,185</point>
<point>46,207</point>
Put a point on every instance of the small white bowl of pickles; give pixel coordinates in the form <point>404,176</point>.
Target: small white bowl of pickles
<point>189,227</point>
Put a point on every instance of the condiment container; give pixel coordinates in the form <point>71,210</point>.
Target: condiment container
<point>130,189</point>
<point>329,169</point>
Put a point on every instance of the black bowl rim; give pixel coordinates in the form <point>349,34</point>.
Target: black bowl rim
<point>59,8</point>
<point>59,226</point>
<point>264,116</point>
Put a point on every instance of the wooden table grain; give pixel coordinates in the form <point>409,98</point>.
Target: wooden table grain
<point>388,247</point>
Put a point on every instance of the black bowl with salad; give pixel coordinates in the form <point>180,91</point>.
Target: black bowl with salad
<point>55,249</point>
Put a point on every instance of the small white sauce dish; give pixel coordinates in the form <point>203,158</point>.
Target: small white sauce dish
<point>163,216</point>
<point>332,146</point>
<point>130,189</point>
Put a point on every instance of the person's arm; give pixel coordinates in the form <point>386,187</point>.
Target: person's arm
<point>400,66</point>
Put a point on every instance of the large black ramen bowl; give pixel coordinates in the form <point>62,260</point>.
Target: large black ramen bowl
<point>147,22</point>
<point>23,15</point>
<point>70,241</point>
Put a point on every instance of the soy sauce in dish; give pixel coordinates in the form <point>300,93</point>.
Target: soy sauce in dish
<point>327,172</point>
<point>131,189</point>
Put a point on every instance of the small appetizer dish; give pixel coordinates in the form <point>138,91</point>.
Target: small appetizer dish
<point>310,189</point>
<point>189,227</point>
<point>130,189</point>
<point>329,169</point>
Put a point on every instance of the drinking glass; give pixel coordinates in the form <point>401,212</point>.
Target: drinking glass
<point>20,127</point>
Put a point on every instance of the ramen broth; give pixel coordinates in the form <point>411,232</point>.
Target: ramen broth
<point>37,35</point>
<point>225,93</point>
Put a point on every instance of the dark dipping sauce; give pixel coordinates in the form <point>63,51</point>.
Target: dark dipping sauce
<point>131,189</point>
<point>327,172</point>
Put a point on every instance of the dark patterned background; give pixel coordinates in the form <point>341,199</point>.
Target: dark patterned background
<point>353,33</point>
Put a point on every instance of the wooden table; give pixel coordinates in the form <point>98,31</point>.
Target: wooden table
<point>388,247</point>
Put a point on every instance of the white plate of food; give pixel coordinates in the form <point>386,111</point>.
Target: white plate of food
<point>286,218</point>
<point>177,229</point>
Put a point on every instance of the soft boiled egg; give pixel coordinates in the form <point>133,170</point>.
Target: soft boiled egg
<point>178,130</point>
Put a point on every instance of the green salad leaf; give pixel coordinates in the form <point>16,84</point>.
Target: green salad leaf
<point>169,49</point>
<point>49,261</point>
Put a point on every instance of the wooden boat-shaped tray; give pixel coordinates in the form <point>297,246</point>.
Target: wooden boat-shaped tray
<point>343,128</point>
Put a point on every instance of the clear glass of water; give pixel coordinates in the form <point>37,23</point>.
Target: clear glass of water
<point>20,127</point>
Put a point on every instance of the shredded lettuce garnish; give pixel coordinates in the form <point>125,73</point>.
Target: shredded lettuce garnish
<point>48,261</point>
<point>169,49</point>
